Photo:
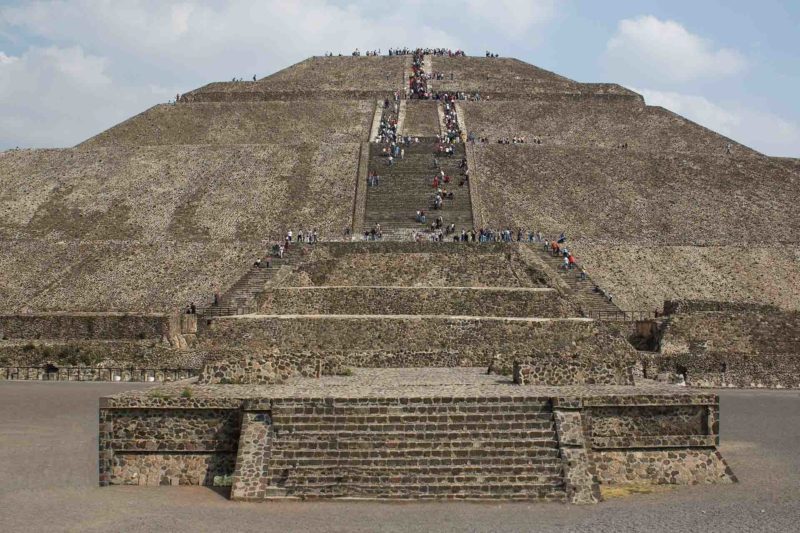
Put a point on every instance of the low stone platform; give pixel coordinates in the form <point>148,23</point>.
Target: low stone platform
<point>411,433</point>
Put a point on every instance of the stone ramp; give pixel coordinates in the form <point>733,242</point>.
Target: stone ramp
<point>399,448</point>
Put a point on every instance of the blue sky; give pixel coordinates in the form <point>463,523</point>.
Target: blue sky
<point>71,68</point>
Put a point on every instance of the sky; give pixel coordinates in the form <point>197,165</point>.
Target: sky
<point>72,68</point>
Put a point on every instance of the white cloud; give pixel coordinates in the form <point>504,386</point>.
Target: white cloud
<point>763,131</point>
<point>103,57</point>
<point>5,59</point>
<point>59,96</point>
<point>646,48</point>
<point>514,17</point>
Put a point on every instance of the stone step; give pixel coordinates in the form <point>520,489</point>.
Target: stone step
<point>524,455</point>
<point>534,435</point>
<point>476,491</point>
<point>306,477</point>
<point>480,406</point>
<point>536,430</point>
<point>447,417</point>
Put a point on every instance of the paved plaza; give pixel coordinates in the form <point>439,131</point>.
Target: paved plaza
<point>48,464</point>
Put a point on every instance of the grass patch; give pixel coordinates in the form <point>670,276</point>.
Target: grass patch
<point>629,489</point>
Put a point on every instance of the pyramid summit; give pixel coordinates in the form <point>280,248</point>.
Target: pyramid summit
<point>338,252</point>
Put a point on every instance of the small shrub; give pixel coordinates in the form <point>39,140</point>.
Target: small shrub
<point>186,393</point>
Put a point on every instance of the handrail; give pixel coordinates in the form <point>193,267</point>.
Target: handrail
<point>623,315</point>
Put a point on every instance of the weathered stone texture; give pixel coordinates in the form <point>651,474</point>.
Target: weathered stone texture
<point>595,123</point>
<point>719,344</point>
<point>753,330</point>
<point>171,225</point>
<point>126,354</point>
<point>344,74</point>
<point>251,479</point>
<point>648,421</point>
<point>647,198</point>
<point>644,276</point>
<point>422,270</point>
<point>286,123</point>
<point>172,469</point>
<point>477,340</point>
<point>206,430</point>
<point>421,119</point>
<point>545,303</point>
<point>614,369</point>
<point>89,326</point>
<point>510,78</point>
<point>674,467</point>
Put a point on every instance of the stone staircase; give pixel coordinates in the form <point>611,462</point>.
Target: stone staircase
<point>241,297</point>
<point>470,448</point>
<point>405,188</point>
<point>591,303</point>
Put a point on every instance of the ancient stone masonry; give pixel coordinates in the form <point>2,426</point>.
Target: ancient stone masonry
<point>721,344</point>
<point>401,357</point>
<point>489,301</point>
<point>476,437</point>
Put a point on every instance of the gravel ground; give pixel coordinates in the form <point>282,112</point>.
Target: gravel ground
<point>48,465</point>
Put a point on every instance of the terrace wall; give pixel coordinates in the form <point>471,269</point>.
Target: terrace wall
<point>423,340</point>
<point>719,344</point>
<point>274,122</point>
<point>544,303</point>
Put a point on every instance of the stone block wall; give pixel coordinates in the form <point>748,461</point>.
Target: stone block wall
<point>735,328</point>
<point>657,439</point>
<point>457,301</point>
<point>536,447</point>
<point>411,264</point>
<point>187,443</point>
<point>98,354</point>
<point>568,370</point>
<point>728,369</point>
<point>725,344</point>
<point>475,341</point>
<point>91,326</point>
<point>643,276</point>
<point>596,122</point>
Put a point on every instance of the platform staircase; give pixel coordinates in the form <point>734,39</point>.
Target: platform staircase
<point>407,448</point>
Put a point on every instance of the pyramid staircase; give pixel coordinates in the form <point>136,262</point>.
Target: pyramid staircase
<point>592,304</point>
<point>406,187</point>
<point>408,448</point>
<point>242,296</point>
